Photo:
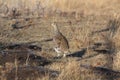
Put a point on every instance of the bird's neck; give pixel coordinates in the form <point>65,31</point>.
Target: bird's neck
<point>56,29</point>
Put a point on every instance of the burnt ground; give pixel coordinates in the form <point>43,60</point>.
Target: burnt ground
<point>28,42</point>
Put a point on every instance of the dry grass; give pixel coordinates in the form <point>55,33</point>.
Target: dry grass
<point>84,7</point>
<point>86,24</point>
<point>71,71</point>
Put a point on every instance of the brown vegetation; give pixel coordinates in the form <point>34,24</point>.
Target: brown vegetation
<point>91,28</point>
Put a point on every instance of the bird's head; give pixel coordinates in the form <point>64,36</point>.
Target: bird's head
<point>54,24</point>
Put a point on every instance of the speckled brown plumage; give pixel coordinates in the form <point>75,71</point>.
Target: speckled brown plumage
<point>60,41</point>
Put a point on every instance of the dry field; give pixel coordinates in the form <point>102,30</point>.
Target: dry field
<point>91,28</point>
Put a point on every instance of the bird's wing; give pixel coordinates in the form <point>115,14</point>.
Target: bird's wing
<point>65,41</point>
<point>61,40</point>
<point>58,40</point>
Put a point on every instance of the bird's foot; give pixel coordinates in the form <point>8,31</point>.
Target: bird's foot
<point>58,55</point>
<point>64,55</point>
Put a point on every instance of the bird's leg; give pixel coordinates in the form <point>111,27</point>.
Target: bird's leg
<point>58,55</point>
<point>64,55</point>
<point>57,50</point>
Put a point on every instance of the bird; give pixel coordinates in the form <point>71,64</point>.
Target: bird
<point>60,41</point>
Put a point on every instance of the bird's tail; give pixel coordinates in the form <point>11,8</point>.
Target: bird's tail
<point>69,52</point>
